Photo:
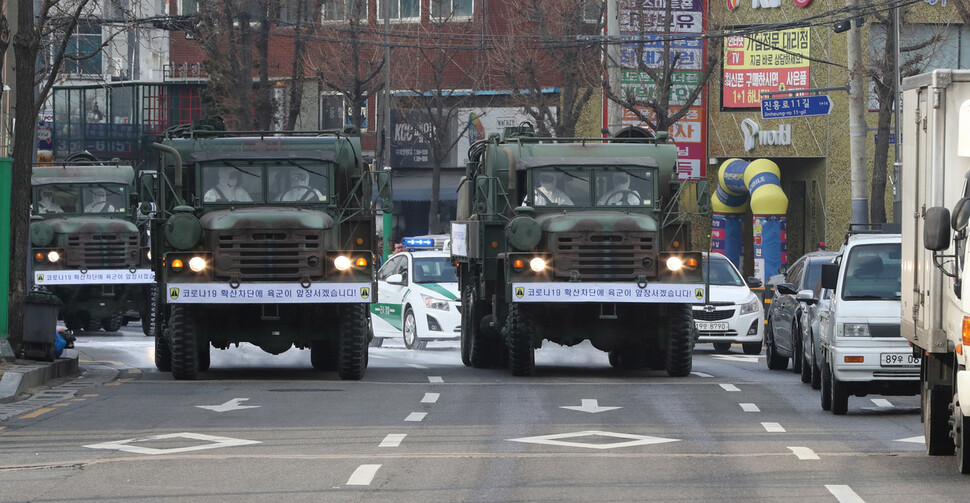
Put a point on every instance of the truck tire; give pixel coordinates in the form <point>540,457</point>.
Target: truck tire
<point>113,323</point>
<point>377,342</point>
<point>185,347</point>
<point>73,322</point>
<point>680,348</point>
<point>352,342</point>
<point>627,358</point>
<point>163,354</point>
<point>410,330</point>
<point>961,440</point>
<point>522,356</point>
<point>840,396</point>
<point>936,420</point>
<point>204,357</point>
<point>91,324</point>
<point>826,385</point>
<point>323,356</point>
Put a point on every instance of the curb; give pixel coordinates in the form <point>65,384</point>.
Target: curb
<point>30,374</point>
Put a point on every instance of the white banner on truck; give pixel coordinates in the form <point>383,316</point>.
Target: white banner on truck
<point>95,277</point>
<point>657,293</point>
<point>267,293</point>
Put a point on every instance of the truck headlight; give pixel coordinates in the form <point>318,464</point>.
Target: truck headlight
<point>341,263</point>
<point>53,256</point>
<point>435,303</point>
<point>853,330</point>
<point>751,307</point>
<point>674,264</point>
<point>537,264</point>
<point>197,264</point>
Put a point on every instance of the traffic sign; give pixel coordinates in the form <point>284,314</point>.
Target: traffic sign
<point>782,108</point>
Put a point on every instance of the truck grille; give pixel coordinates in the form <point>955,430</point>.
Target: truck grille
<point>102,251</point>
<point>605,256</point>
<point>268,255</point>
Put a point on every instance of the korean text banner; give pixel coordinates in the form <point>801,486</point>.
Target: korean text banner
<point>772,61</point>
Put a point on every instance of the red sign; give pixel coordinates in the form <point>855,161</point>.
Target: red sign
<point>799,3</point>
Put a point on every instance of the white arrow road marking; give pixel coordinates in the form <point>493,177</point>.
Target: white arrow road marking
<point>588,405</point>
<point>393,440</point>
<point>738,358</point>
<point>416,366</point>
<point>729,387</point>
<point>701,374</point>
<point>213,443</point>
<point>416,416</point>
<point>749,407</point>
<point>430,397</point>
<point>914,440</point>
<point>804,453</point>
<point>632,440</point>
<point>435,379</point>
<point>230,405</point>
<point>773,428</point>
<point>844,494</point>
<point>882,402</point>
<point>363,475</point>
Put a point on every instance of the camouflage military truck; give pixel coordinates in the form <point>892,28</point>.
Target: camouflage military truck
<point>266,239</point>
<point>86,247</point>
<point>569,240</point>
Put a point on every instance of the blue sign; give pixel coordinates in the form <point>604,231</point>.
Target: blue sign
<point>892,138</point>
<point>418,242</point>
<point>783,108</point>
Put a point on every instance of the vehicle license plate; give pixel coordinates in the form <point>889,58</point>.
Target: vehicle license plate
<point>898,360</point>
<point>711,326</point>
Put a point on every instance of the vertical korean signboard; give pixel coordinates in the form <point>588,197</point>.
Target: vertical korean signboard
<point>645,28</point>
<point>772,61</point>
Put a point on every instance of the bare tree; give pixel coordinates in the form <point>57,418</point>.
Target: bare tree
<point>543,50</point>
<point>307,13</point>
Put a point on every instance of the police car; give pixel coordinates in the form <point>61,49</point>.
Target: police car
<point>418,296</point>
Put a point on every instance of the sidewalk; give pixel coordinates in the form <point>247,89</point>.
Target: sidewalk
<point>18,377</point>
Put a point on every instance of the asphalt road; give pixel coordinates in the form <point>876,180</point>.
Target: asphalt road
<point>421,427</point>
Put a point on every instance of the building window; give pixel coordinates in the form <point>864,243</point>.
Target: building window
<point>86,44</point>
<point>184,7</point>
<point>344,10</point>
<point>401,10</point>
<point>451,9</point>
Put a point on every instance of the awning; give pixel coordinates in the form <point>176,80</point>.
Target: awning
<point>417,186</point>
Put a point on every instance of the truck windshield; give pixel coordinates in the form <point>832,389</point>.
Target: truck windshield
<point>269,184</point>
<point>81,198</point>
<point>624,187</point>
<point>873,272</point>
<point>434,270</point>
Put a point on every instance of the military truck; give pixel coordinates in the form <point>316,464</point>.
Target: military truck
<point>86,246</point>
<point>569,240</point>
<point>264,238</point>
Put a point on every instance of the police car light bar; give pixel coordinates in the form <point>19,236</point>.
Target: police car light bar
<point>418,242</point>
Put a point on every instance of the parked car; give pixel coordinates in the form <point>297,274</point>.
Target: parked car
<point>417,299</point>
<point>734,314</point>
<point>787,331</point>
<point>862,350</point>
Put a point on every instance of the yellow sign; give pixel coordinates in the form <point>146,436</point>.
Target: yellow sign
<point>364,292</point>
<point>173,293</point>
<point>699,293</point>
<point>520,292</point>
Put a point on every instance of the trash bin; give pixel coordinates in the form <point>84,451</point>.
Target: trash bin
<point>40,325</point>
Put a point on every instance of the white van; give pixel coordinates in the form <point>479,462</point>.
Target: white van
<point>862,349</point>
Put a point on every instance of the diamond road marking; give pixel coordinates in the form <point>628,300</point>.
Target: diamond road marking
<point>213,443</point>
<point>738,358</point>
<point>633,440</point>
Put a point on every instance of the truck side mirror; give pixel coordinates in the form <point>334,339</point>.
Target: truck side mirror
<point>830,276</point>
<point>703,197</point>
<point>961,214</point>
<point>936,228</point>
<point>146,187</point>
<point>384,189</point>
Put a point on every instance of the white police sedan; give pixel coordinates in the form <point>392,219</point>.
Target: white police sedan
<point>417,293</point>
<point>734,314</point>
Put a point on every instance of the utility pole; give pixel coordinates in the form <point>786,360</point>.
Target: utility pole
<point>388,219</point>
<point>858,129</point>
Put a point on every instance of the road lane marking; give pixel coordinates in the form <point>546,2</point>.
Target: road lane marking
<point>393,440</point>
<point>749,407</point>
<point>913,440</point>
<point>363,475</point>
<point>435,379</point>
<point>773,428</point>
<point>628,440</point>
<point>36,413</point>
<point>590,405</point>
<point>61,405</point>
<point>882,402</point>
<point>701,374</point>
<point>416,366</point>
<point>729,387</point>
<point>430,397</point>
<point>416,416</point>
<point>89,395</point>
<point>738,358</point>
<point>231,405</point>
<point>804,453</point>
<point>211,442</point>
<point>844,494</point>
<point>2,427</point>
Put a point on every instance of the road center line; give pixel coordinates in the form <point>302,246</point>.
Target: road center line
<point>804,453</point>
<point>416,416</point>
<point>36,413</point>
<point>773,428</point>
<point>749,407</point>
<point>416,366</point>
<point>844,494</point>
<point>393,440</point>
<point>363,475</point>
<point>430,397</point>
<point>435,379</point>
<point>882,402</point>
<point>729,387</point>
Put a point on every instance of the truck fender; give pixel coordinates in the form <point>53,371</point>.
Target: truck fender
<point>963,389</point>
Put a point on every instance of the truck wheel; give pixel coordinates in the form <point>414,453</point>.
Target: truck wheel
<point>680,347</point>
<point>751,348</point>
<point>204,357</point>
<point>774,360</point>
<point>796,351</point>
<point>960,438</point>
<point>724,347</point>
<point>410,329</point>
<point>522,356</point>
<point>73,322</point>
<point>826,385</point>
<point>377,342</point>
<point>91,324</point>
<point>163,354</point>
<point>840,396</point>
<point>352,343</point>
<point>323,356</point>
<point>185,347</point>
<point>113,323</point>
<point>936,419</point>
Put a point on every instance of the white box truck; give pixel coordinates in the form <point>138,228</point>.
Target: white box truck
<point>935,210</point>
